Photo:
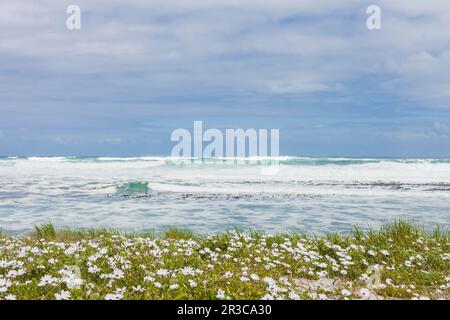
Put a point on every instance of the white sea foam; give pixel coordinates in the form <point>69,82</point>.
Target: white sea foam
<point>153,192</point>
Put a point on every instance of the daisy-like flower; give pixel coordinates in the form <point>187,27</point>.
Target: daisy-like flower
<point>63,295</point>
<point>294,296</point>
<point>192,283</point>
<point>118,274</point>
<point>365,293</point>
<point>254,277</point>
<point>162,272</point>
<point>93,269</point>
<point>187,271</point>
<point>73,282</point>
<point>346,292</point>
<point>5,284</point>
<point>174,286</point>
<point>10,297</point>
<point>113,296</point>
<point>269,281</point>
<point>220,294</point>
<point>138,289</point>
<point>47,280</point>
<point>364,277</point>
<point>321,274</point>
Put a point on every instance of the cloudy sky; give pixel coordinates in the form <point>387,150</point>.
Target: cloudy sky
<point>139,69</point>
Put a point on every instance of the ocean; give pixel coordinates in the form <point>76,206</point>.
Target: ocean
<point>313,195</point>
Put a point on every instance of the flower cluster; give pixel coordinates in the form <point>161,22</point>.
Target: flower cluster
<point>231,265</point>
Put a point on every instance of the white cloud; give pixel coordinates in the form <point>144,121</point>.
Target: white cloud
<point>265,47</point>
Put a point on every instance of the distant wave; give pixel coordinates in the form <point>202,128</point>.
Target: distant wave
<point>284,160</point>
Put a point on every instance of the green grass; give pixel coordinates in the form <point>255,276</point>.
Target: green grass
<point>52,263</point>
<point>48,232</point>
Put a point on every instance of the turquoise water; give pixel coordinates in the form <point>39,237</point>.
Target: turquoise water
<point>152,193</point>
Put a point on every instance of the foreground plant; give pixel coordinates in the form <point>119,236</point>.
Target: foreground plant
<point>398,261</point>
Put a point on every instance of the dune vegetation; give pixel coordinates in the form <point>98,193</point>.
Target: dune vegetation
<point>398,261</point>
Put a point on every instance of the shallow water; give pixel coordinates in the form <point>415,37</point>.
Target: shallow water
<point>153,193</point>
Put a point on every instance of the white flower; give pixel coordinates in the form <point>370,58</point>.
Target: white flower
<point>192,283</point>
<point>365,293</point>
<point>138,289</point>
<point>372,253</point>
<point>228,275</point>
<point>269,281</point>
<point>45,280</point>
<point>384,252</point>
<point>321,274</point>
<point>121,290</point>
<point>187,271</point>
<point>293,296</point>
<point>162,272</point>
<point>73,282</point>
<point>93,269</point>
<point>10,297</point>
<point>113,296</point>
<point>174,286</point>
<point>149,278</point>
<point>346,292</point>
<point>63,295</point>
<point>117,274</point>
<point>220,294</point>
<point>254,277</point>
<point>5,284</point>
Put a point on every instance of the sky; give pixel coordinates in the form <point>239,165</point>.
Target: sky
<point>139,69</point>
